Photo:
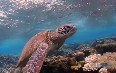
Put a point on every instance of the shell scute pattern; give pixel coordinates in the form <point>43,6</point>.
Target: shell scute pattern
<point>30,48</point>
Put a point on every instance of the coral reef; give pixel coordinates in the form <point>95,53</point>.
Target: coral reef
<point>96,57</point>
<point>103,70</point>
<point>8,63</point>
<point>106,47</point>
<point>99,57</point>
<point>97,61</point>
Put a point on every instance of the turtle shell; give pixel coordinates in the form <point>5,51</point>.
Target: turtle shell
<point>31,47</point>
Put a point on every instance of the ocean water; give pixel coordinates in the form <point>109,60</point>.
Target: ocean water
<point>21,19</point>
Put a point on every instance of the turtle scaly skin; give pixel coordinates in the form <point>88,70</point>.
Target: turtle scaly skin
<point>41,45</point>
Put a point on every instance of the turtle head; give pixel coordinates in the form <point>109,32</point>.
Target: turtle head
<point>66,30</point>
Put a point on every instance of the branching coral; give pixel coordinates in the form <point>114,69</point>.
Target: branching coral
<point>96,61</point>
<point>104,70</point>
<point>91,62</point>
<point>92,58</point>
<point>75,67</point>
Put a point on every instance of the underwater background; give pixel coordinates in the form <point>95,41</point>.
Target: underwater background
<point>22,19</point>
<point>92,49</point>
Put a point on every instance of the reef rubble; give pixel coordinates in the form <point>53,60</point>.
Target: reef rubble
<point>96,57</point>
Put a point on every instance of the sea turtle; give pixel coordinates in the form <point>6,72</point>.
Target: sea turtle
<point>41,45</point>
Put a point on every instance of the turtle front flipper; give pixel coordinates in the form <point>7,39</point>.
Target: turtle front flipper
<point>36,60</point>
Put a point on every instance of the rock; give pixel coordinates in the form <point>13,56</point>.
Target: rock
<point>106,47</point>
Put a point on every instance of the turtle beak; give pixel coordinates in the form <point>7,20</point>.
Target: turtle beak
<point>74,28</point>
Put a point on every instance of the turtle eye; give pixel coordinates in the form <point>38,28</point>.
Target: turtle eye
<point>68,27</point>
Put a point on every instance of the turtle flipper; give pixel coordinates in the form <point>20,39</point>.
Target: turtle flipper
<point>36,60</point>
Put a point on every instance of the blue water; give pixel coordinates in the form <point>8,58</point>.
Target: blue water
<point>19,21</point>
